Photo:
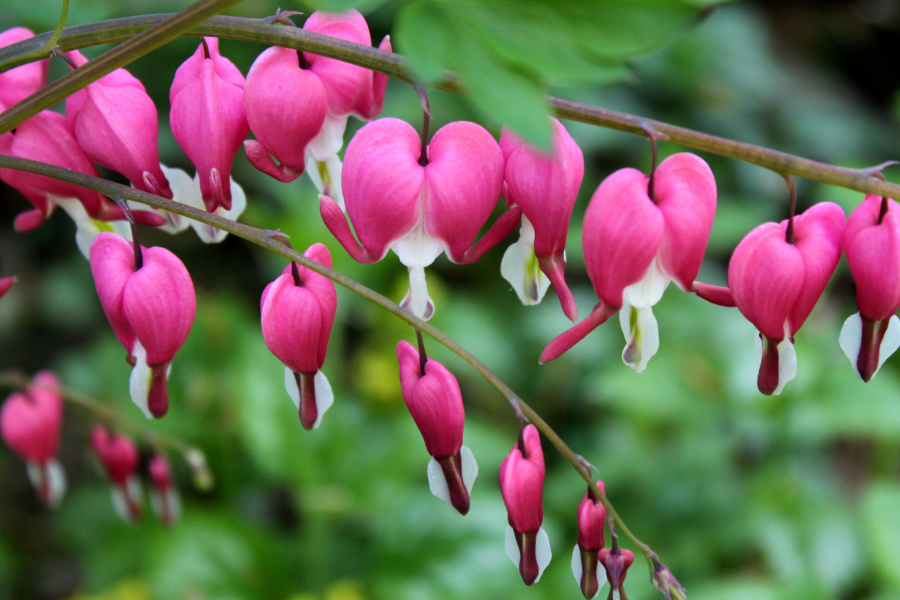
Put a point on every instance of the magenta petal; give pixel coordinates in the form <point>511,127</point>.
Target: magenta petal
<point>685,191</point>
<point>522,482</point>
<point>564,341</point>
<point>30,421</point>
<point>159,303</point>
<point>621,235</point>
<point>434,401</point>
<point>873,253</point>
<point>336,222</point>
<point>381,181</point>
<point>323,290</point>
<point>292,324</point>
<point>463,178</point>
<point>117,453</point>
<point>20,82</point>
<point>112,263</point>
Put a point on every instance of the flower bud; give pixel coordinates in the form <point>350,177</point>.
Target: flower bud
<point>164,497</point>
<point>616,562</point>
<point>591,524</point>
<point>120,459</point>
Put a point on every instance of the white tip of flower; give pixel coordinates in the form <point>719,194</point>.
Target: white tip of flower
<point>787,361</point>
<point>417,300</point>
<point>184,190</point>
<point>166,505</point>
<point>329,140</point>
<point>86,228</point>
<point>437,483</point>
<point>141,378</point>
<point>541,547</point>
<point>49,480</point>
<point>850,341</point>
<point>126,501</point>
<point>641,334</point>
<point>577,570</point>
<point>520,267</point>
<point>326,176</point>
<point>324,393</point>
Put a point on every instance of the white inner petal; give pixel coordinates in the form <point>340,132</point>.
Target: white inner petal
<point>512,548</point>
<point>141,378</point>
<point>329,140</point>
<point>542,551</point>
<point>86,228</point>
<point>417,300</point>
<point>641,335</point>
<point>290,384</point>
<point>326,176</point>
<point>649,290</point>
<point>213,235</point>
<point>469,467</point>
<point>437,482</point>
<point>787,360</point>
<point>521,268</point>
<point>324,396</point>
<point>577,569</point>
<point>850,341</point>
<point>184,190</point>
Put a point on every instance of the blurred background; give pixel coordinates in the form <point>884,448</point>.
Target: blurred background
<point>741,495</point>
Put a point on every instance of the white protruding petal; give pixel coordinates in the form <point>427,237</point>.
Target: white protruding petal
<point>166,506</point>
<point>417,300</point>
<point>86,227</point>
<point>122,495</point>
<point>649,290</point>
<point>850,341</point>
<point>329,140</point>
<point>141,378</point>
<point>213,235</point>
<point>324,393</point>
<point>641,335</point>
<point>787,361</point>
<point>326,176</point>
<point>437,483</point>
<point>51,475</point>
<point>542,550</point>
<point>290,384</point>
<point>577,569</point>
<point>520,267</point>
<point>324,396</point>
<point>184,190</point>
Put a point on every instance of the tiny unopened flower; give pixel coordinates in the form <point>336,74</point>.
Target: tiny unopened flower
<point>164,498</point>
<point>591,537</point>
<point>20,82</point>
<point>636,241</point>
<point>151,310</point>
<point>120,460</point>
<point>30,422</point>
<point>297,313</point>
<point>776,282</point>
<point>663,580</point>
<point>522,487</point>
<point>872,245</point>
<point>434,400</point>
<point>616,562</point>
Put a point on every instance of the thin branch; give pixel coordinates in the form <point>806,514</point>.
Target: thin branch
<point>264,238</point>
<point>395,65</point>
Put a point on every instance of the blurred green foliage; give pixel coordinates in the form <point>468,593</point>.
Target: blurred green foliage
<point>743,496</point>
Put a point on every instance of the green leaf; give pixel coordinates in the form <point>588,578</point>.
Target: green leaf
<point>427,38</point>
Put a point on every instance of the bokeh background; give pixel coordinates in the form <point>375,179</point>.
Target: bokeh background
<point>743,496</point>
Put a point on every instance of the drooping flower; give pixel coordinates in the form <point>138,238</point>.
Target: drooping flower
<point>522,487</point>
<point>545,187</point>
<point>776,281</point>
<point>297,313</point>
<point>116,124</point>
<point>151,309</point>
<point>164,497</point>
<point>46,137</point>
<point>434,400</point>
<point>120,459</point>
<point>419,206</point>
<point>208,119</point>
<point>637,239</point>
<point>591,538</point>
<point>20,82</point>
<point>616,562</point>
<point>872,245</point>
<point>30,422</point>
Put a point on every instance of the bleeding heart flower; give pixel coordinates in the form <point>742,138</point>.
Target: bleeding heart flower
<point>297,313</point>
<point>20,82</point>
<point>872,245</point>
<point>775,282</point>
<point>120,459</point>
<point>434,400</point>
<point>545,187</point>
<point>591,537</point>
<point>522,488</point>
<point>164,497</point>
<point>616,562</point>
<point>30,422</point>
<point>419,206</point>
<point>116,124</point>
<point>208,119</point>
<point>151,309</point>
<point>637,239</point>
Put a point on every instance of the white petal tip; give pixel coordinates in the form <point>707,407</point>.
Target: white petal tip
<point>437,483</point>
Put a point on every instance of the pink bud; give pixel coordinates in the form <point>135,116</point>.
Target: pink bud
<point>152,306</point>
<point>208,120</point>
<point>434,400</point>
<point>116,124</point>
<point>163,493</point>
<point>285,106</point>
<point>120,459</point>
<point>776,283</point>
<point>6,284</point>
<point>616,562</point>
<point>591,524</point>
<point>31,419</point>
<point>297,314</point>
<point>350,89</point>
<point>631,238</point>
<point>46,137</point>
<point>522,487</point>
<point>22,81</point>
<point>545,187</point>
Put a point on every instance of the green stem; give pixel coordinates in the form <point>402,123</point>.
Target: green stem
<point>45,51</point>
<point>257,30</point>
<point>264,238</point>
<point>136,46</point>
